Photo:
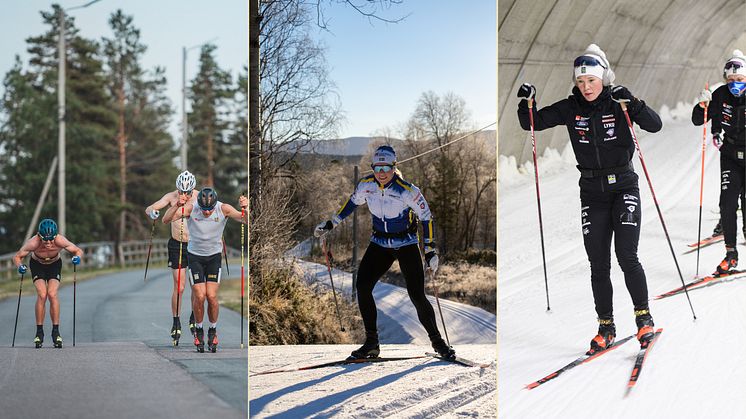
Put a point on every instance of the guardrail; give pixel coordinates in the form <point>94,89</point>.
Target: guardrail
<point>100,255</point>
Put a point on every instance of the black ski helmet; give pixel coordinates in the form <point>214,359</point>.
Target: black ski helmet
<point>47,229</point>
<point>207,199</point>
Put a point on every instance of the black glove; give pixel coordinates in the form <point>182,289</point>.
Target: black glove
<point>527,91</point>
<point>621,94</point>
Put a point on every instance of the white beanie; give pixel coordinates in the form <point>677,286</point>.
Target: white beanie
<point>384,154</point>
<point>740,60</point>
<point>602,71</point>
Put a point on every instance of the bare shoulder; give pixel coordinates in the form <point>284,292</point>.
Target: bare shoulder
<point>32,244</point>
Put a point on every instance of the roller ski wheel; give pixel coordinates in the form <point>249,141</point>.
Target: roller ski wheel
<point>175,335</point>
<point>199,339</point>
<point>192,324</point>
<point>212,340</point>
<point>39,340</point>
<point>57,340</point>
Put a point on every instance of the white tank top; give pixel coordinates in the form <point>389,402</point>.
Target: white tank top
<point>206,234</point>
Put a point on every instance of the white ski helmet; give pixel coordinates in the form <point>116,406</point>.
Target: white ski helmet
<point>186,181</point>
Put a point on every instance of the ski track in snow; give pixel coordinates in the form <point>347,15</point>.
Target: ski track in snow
<point>696,369</point>
<point>417,388</point>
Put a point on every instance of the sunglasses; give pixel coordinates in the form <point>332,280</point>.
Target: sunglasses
<point>588,61</point>
<point>185,192</point>
<point>733,65</point>
<point>384,169</point>
<point>47,239</point>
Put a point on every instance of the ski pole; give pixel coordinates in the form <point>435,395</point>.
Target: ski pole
<point>178,274</point>
<point>225,253</point>
<point>655,200</point>
<point>538,196</point>
<point>437,302</point>
<point>243,214</point>
<point>18,307</point>
<point>150,246</point>
<point>702,182</point>
<point>328,255</point>
<point>75,289</point>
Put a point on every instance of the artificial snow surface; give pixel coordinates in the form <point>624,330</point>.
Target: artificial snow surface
<point>697,369</point>
<point>418,388</point>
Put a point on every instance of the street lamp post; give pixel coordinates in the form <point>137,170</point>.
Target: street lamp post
<point>61,220</point>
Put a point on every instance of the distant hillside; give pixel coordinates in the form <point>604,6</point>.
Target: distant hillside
<point>358,146</point>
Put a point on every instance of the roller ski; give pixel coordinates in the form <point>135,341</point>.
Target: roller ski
<point>56,339</point>
<point>370,349</point>
<point>39,339</point>
<point>212,339</point>
<point>199,339</point>
<point>192,324</point>
<point>175,333</point>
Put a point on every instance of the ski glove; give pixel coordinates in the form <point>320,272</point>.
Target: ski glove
<point>527,91</point>
<point>154,214</point>
<point>704,97</point>
<point>431,260</point>
<point>22,269</point>
<point>323,228</point>
<point>621,94</point>
<point>76,260</point>
<point>717,139</point>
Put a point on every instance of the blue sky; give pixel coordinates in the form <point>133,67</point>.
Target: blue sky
<point>165,27</point>
<point>382,69</point>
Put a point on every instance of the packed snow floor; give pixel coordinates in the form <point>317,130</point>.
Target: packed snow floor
<point>696,369</point>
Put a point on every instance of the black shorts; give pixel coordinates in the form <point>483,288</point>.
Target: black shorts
<point>204,268</point>
<point>173,254</point>
<point>45,271</point>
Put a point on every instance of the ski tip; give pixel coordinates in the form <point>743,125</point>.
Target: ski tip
<point>531,386</point>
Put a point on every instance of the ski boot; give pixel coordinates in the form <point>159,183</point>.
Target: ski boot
<point>718,230</point>
<point>56,339</point>
<point>370,349</point>
<point>212,339</point>
<point>605,336</point>
<point>730,261</point>
<point>442,348</point>
<point>39,339</point>
<point>192,324</point>
<point>176,333</point>
<point>199,339</point>
<point>645,330</point>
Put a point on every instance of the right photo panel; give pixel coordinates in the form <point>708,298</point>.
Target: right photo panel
<point>373,196</point>
<point>621,203</point>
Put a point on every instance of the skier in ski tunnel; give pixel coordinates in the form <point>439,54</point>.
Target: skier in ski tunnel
<point>609,192</point>
<point>727,111</point>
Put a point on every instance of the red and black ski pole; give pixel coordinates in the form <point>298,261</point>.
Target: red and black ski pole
<point>243,214</point>
<point>538,197</point>
<point>702,183</point>
<point>150,246</point>
<point>328,255</point>
<point>655,200</point>
<point>75,290</point>
<point>18,307</point>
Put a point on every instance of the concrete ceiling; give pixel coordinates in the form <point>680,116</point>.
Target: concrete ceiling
<point>664,51</point>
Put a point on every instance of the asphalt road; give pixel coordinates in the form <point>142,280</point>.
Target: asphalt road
<point>123,364</point>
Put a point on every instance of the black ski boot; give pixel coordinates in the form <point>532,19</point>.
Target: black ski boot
<point>442,348</point>
<point>192,324</point>
<point>370,349</point>
<point>718,230</point>
<point>212,339</point>
<point>199,339</point>
<point>605,336</point>
<point>56,338</point>
<point>645,327</point>
<point>176,332</point>
<point>730,261</point>
<point>39,339</point>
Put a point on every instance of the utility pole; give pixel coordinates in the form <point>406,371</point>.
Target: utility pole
<point>62,48</point>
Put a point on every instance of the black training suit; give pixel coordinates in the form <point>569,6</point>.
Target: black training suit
<point>728,115</point>
<point>609,194</point>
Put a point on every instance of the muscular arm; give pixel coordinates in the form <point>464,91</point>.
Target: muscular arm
<point>28,247</point>
<point>160,204</point>
<point>66,244</point>
<point>232,213</point>
<point>175,212</point>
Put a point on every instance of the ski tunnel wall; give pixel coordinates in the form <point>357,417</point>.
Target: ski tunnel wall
<point>664,51</point>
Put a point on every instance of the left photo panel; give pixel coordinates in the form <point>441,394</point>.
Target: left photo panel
<point>123,208</point>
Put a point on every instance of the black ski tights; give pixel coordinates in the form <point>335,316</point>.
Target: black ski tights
<point>376,261</point>
<point>617,214</point>
<point>731,183</point>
